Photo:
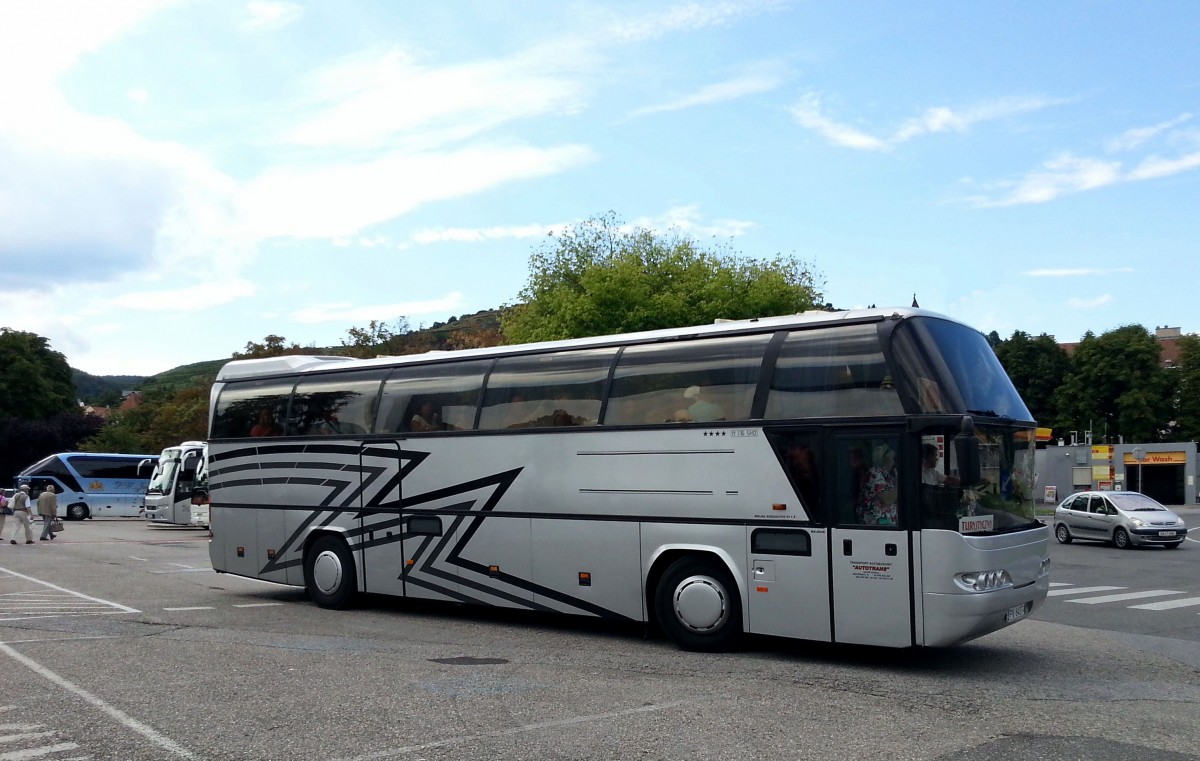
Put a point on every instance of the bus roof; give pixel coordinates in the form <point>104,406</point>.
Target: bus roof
<point>242,369</point>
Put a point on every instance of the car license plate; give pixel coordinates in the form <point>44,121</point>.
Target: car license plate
<point>1015,613</point>
<point>1166,533</point>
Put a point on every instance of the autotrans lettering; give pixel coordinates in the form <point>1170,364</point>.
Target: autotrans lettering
<point>880,571</point>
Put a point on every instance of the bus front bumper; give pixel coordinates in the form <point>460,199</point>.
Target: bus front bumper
<point>954,618</point>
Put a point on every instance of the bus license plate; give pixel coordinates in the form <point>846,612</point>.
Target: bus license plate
<point>1015,613</point>
<point>1166,533</point>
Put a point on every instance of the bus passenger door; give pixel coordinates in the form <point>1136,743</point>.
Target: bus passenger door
<point>869,544</point>
<point>379,557</point>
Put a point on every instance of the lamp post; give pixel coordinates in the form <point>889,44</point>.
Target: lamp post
<point>1139,454</point>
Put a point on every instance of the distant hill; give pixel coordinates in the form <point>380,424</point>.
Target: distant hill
<point>103,389</point>
<point>482,328</point>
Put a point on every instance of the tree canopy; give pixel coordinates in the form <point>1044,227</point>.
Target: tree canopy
<point>1037,367</point>
<point>601,277</point>
<point>36,380</point>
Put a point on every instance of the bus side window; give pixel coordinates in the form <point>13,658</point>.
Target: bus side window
<point>254,408</point>
<point>692,381</point>
<point>546,390</point>
<point>451,391</point>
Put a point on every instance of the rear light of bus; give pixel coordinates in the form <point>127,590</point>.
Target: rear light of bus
<point>983,581</point>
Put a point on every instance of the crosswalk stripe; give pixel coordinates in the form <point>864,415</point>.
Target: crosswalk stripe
<point>1060,584</point>
<point>1080,590</point>
<point>1168,604</point>
<point>1125,596</point>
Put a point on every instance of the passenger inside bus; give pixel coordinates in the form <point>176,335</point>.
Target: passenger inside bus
<point>265,424</point>
<point>878,506</point>
<point>698,410</point>
<point>427,419</point>
<point>801,462</point>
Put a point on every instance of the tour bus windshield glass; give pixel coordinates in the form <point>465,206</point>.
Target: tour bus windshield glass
<point>164,474</point>
<point>959,373</point>
<point>1001,500</point>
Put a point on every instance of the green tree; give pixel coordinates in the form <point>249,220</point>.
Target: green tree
<point>378,338</point>
<point>1117,387</point>
<point>1037,367</point>
<point>1187,390</point>
<point>36,380</point>
<point>271,346</point>
<point>600,278</point>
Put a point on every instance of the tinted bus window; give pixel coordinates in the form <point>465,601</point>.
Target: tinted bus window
<point>335,404</point>
<point>90,466</point>
<point>255,408</point>
<point>695,381</point>
<point>51,467</point>
<point>959,372</point>
<point>832,372</point>
<point>427,398</point>
<point>560,389</point>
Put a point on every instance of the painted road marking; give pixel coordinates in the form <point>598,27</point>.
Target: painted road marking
<point>1126,596</point>
<point>1168,604</point>
<point>1080,590</point>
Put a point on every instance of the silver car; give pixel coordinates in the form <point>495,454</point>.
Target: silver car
<point>1124,518</point>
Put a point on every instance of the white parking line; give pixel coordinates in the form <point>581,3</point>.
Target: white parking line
<point>194,607</point>
<point>1080,590</point>
<point>1168,604</point>
<point>1126,596</point>
<point>128,721</point>
<point>258,605</point>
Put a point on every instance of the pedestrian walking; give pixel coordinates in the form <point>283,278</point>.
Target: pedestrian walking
<point>20,507</point>
<point>47,507</point>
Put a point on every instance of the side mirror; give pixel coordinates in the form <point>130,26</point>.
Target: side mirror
<point>966,451</point>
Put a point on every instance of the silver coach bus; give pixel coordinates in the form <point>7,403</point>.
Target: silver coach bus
<point>856,477</point>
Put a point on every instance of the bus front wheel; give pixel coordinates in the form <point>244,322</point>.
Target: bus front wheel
<point>697,605</point>
<point>77,511</point>
<point>329,575</point>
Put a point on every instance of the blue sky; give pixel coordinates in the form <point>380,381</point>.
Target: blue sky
<point>179,178</point>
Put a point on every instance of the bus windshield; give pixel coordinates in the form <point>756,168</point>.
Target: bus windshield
<point>164,473</point>
<point>1002,499</point>
<point>948,367</point>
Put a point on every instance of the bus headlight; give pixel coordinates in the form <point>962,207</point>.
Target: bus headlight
<point>983,581</point>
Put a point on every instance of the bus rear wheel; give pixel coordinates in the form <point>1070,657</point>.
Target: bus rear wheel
<point>329,574</point>
<point>697,605</point>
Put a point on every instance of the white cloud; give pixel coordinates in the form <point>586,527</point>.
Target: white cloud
<point>342,199</point>
<point>138,95</point>
<point>191,298</point>
<point>346,312</point>
<point>750,84</point>
<point>687,220</point>
<point>264,15</point>
<point>941,119</point>
<point>1059,176</point>
<point>1155,167</point>
<point>482,234</point>
<point>1138,136</point>
<point>389,99</point>
<point>688,16</point>
<point>1092,303</point>
<point>807,114</point>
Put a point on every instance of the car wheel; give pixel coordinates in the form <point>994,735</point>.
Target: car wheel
<point>1062,534</point>
<point>77,511</point>
<point>697,605</point>
<point>329,575</point>
<point>1121,539</point>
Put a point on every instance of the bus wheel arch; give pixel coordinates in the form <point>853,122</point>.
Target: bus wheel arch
<point>330,576</point>
<point>695,600</point>
<point>78,511</point>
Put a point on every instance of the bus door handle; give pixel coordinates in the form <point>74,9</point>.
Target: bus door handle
<point>847,547</point>
<point>889,550</point>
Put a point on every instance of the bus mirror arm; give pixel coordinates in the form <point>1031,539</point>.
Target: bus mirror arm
<point>966,450</point>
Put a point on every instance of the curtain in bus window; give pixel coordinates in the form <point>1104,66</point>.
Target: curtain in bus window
<point>832,372</point>
<point>698,381</point>
<point>339,403</point>
<point>424,398</point>
<point>252,408</point>
<point>544,390</point>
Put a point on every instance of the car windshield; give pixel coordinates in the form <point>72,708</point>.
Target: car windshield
<point>1132,503</point>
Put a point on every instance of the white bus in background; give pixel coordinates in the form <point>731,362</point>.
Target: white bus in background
<point>200,492</point>
<point>169,494</point>
<point>859,477</point>
<point>92,484</point>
